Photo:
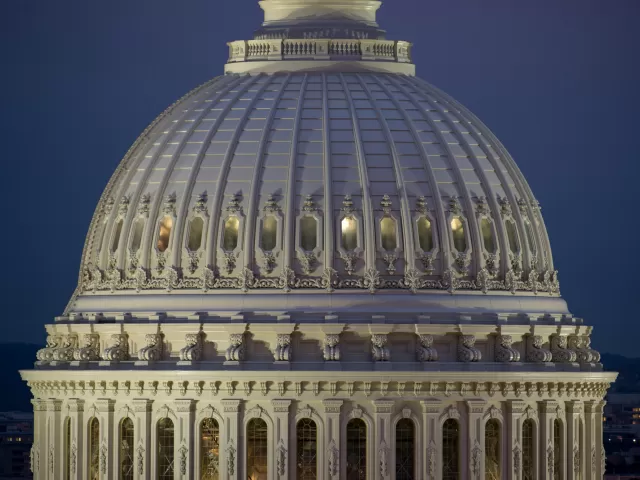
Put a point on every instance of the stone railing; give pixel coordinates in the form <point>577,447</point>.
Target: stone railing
<point>320,49</point>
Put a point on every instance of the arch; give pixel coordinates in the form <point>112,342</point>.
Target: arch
<point>451,449</point>
<point>418,455</point>
<point>207,413</point>
<point>258,412</point>
<point>209,460</point>
<point>405,449</point>
<point>492,449</point>
<point>307,449</point>
<point>93,450</point>
<point>257,449</point>
<point>308,412</point>
<point>126,443</point>
<point>357,413</point>
<point>165,451</point>
<point>529,442</point>
<point>356,449</point>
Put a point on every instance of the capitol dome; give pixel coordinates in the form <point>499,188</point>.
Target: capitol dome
<point>318,265</point>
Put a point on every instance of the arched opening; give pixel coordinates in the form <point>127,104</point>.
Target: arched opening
<point>196,227</point>
<point>67,448</point>
<point>165,452</point>
<point>558,461</point>
<point>115,241</point>
<point>487,235</point>
<point>512,236</point>
<point>164,233</point>
<point>405,450</point>
<point>126,449</point>
<point>450,450</point>
<point>308,233</point>
<point>257,449</point>
<point>356,449</point>
<point>209,449</point>
<point>388,234</point>
<point>269,237</point>
<point>93,467</point>
<point>459,238</point>
<point>528,451</point>
<point>306,449</point>
<point>136,240</point>
<point>230,236</point>
<point>530,237</point>
<point>349,233</point>
<point>425,234</point>
<point>492,446</point>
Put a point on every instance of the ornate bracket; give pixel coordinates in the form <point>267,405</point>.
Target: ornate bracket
<point>154,348</point>
<point>235,352</point>
<point>504,351</point>
<point>332,347</point>
<point>466,350</point>
<point>425,350</point>
<point>282,352</point>
<point>379,348</point>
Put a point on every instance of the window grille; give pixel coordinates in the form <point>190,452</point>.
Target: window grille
<point>94,449</point>
<point>209,449</point>
<point>450,450</point>
<point>165,462</point>
<point>257,445</point>
<point>405,450</point>
<point>126,449</point>
<point>528,454</point>
<point>492,445</point>
<point>356,449</point>
<point>306,449</point>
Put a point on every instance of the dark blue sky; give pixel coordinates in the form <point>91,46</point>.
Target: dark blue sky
<point>558,81</point>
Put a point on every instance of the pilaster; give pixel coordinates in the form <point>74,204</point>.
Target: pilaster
<point>598,441</point>
<point>232,451</point>
<point>185,411</point>
<point>513,420</point>
<point>78,438</point>
<point>53,440</point>
<point>105,414</point>
<point>281,436</point>
<point>382,438</point>
<point>332,466</point>
<point>475,440</point>
<point>432,438</point>
<point>547,416</point>
<point>575,451</point>
<point>39,435</point>
<point>142,438</point>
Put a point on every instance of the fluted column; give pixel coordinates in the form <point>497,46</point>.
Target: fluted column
<point>39,435</point>
<point>105,414</point>
<point>78,438</point>
<point>382,438</point>
<point>432,438</point>
<point>513,420</point>
<point>281,436</point>
<point>475,440</point>
<point>53,440</point>
<point>185,410</point>
<point>575,452</point>
<point>547,416</point>
<point>142,438</point>
<point>598,441</point>
<point>230,452</point>
<point>332,466</point>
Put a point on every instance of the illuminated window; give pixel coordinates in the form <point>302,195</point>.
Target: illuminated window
<point>356,449</point>
<point>257,449</point>
<point>405,450</point>
<point>196,226</point>
<point>94,449</point>
<point>269,233</point>
<point>209,449</point>
<point>165,455</point>
<point>136,241</point>
<point>528,455</point>
<point>487,235</point>
<point>230,238</point>
<point>306,449</point>
<point>492,450</point>
<point>450,450</point>
<point>425,235</point>
<point>67,448</point>
<point>512,236</point>
<point>459,239</point>
<point>126,449</point>
<point>166,224</point>
<point>349,231</point>
<point>388,234</point>
<point>308,233</point>
<point>557,451</point>
<point>116,235</point>
<point>530,237</point>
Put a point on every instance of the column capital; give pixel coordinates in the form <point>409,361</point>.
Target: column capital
<point>431,405</point>
<point>185,405</point>
<point>591,406</point>
<point>76,404</point>
<point>231,405</point>
<point>574,406</point>
<point>281,405</point>
<point>332,405</point>
<point>53,405</point>
<point>383,405</point>
<point>142,405</point>
<point>39,405</point>
<point>516,407</point>
<point>548,406</point>
<point>476,405</point>
<point>105,405</point>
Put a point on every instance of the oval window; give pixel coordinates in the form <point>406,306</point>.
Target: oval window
<point>459,239</point>
<point>195,234</point>
<point>388,233</point>
<point>349,232</point>
<point>269,233</point>
<point>136,241</point>
<point>512,236</point>
<point>487,235</point>
<point>530,237</point>
<point>230,239</point>
<point>308,233</point>
<point>166,224</point>
<point>425,235</point>
<point>116,235</point>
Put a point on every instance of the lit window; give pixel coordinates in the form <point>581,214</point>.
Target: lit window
<point>195,234</point>
<point>388,233</point>
<point>306,449</point>
<point>164,233</point>
<point>459,239</point>
<point>512,236</point>
<point>269,233</point>
<point>94,449</point>
<point>557,451</point>
<point>405,450</point>
<point>450,450</point>
<point>209,449</point>
<point>230,239</point>
<point>257,449</point>
<point>487,235</point>
<point>425,235</point>
<point>116,235</point>
<point>136,241</point>
<point>308,233</point>
<point>67,448</point>
<point>126,449</point>
<point>349,230</point>
<point>492,442</point>
<point>165,455</point>
<point>356,449</point>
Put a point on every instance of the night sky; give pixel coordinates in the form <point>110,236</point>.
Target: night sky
<point>558,81</point>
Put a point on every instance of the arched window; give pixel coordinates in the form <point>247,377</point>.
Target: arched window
<point>530,237</point>
<point>450,450</point>
<point>165,458</point>
<point>93,466</point>
<point>67,448</point>
<point>349,233</point>
<point>528,452</point>
<point>136,240</point>
<point>512,235</point>
<point>405,450</point>
<point>269,237</point>
<point>257,449</point>
<point>492,445</point>
<point>209,449</point>
<point>306,449</point>
<point>388,234</point>
<point>230,238</point>
<point>459,238</point>
<point>308,233</point>
<point>164,233</point>
<point>116,235</point>
<point>126,449</point>
<point>356,449</point>
<point>425,234</point>
<point>558,464</point>
<point>487,235</point>
<point>196,226</point>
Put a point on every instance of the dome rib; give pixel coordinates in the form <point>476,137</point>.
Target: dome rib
<point>328,214</point>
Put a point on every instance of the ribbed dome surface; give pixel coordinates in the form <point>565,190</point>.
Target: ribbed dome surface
<point>274,152</point>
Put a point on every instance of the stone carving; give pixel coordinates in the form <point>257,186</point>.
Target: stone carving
<point>46,354</point>
<point>550,460</point>
<point>466,350</point>
<point>517,461</point>
<point>59,348</point>
<point>90,349</point>
<point>246,279</point>
<point>425,350</point>
<point>235,351</point>
<point>383,455</point>
<point>154,348</point>
<point>576,461</point>
<point>349,259</point>
<point>390,261</point>
<point>462,261</point>
<point>269,261</point>
<point>560,352</point>
<point>379,349</point>
<point>231,460</point>
<point>182,453</point>
<point>119,350</point>
<point>535,352</point>
<point>593,459</point>
<point>476,455</point>
<point>281,459</point>
<point>333,456</point>
<point>34,457</point>
<point>331,347</point>
<point>282,352</point>
<point>603,459</point>
<point>229,259</point>
<point>595,355</point>
<point>52,451</point>
<point>504,351</point>
<point>308,261</point>
<point>200,206</point>
<point>169,207</point>
<point>192,351</point>
<point>103,459</point>
<point>73,459</point>
<point>432,453</point>
<point>413,280</point>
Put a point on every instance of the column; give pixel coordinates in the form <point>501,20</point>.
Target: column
<point>475,440</point>
<point>230,452</point>
<point>547,416</point>
<point>184,457</point>
<point>432,437</point>
<point>332,466</point>
<point>105,414</point>
<point>281,436</point>
<point>142,438</point>
<point>53,437</point>
<point>382,438</point>
<point>513,440</point>
<point>599,440</point>
<point>78,438</point>
<point>575,454</point>
<point>39,435</point>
